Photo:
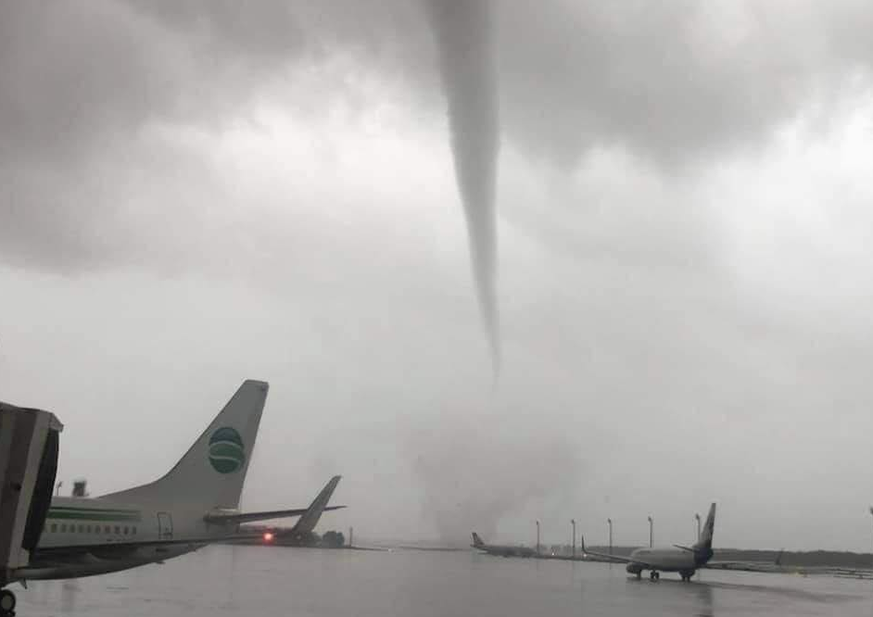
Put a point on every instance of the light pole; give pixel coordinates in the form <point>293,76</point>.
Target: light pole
<point>697,516</point>
<point>538,537</point>
<point>609,522</point>
<point>58,487</point>
<point>651,532</point>
<point>871,510</point>
<point>573,522</point>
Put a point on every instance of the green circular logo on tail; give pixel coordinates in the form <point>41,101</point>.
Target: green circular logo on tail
<point>226,451</point>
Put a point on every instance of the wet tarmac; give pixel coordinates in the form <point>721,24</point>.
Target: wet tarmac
<point>255,581</point>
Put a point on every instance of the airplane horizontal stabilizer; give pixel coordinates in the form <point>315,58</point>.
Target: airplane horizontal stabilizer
<point>219,518</point>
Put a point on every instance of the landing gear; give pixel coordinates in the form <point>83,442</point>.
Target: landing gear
<point>655,575</point>
<point>7,603</point>
<point>686,575</point>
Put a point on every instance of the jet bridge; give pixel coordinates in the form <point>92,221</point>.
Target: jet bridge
<point>29,440</point>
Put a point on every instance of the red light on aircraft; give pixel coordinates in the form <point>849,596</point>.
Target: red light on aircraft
<point>268,537</point>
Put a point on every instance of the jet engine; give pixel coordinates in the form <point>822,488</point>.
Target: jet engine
<point>634,568</point>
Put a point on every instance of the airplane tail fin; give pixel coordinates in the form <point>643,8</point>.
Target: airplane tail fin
<point>212,472</point>
<point>309,520</point>
<point>477,541</point>
<point>705,540</point>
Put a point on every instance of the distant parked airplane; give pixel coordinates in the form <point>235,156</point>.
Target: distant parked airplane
<point>502,550</point>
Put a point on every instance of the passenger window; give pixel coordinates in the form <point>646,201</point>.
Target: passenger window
<point>107,529</point>
<point>87,528</point>
<point>133,530</point>
<point>54,527</point>
<point>126,529</point>
<point>97,528</point>
<point>81,529</point>
<point>64,528</point>
<point>117,530</point>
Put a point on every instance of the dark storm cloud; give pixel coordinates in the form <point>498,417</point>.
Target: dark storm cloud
<point>71,73</point>
<point>81,82</point>
<point>672,82</point>
<point>76,84</point>
<point>663,77</point>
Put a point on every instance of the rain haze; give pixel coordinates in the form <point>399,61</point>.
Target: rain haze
<point>667,204</point>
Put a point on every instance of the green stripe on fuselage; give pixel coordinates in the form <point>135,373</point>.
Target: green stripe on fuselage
<point>92,517</point>
<point>94,514</point>
<point>79,509</point>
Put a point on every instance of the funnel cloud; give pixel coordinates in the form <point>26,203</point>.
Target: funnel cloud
<point>466,58</point>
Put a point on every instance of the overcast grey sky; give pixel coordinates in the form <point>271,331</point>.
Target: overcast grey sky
<point>195,193</point>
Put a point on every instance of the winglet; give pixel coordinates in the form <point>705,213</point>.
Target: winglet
<point>684,548</point>
<point>310,518</point>
<point>582,543</point>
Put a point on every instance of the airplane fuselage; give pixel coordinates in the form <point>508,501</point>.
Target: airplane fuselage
<point>116,536</point>
<point>507,551</point>
<point>662,559</point>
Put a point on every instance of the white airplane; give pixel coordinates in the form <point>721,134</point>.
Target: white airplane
<point>685,560</point>
<point>194,504</point>
<point>502,550</point>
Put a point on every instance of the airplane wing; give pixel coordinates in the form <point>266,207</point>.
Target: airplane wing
<point>746,566</point>
<point>766,566</point>
<point>247,517</point>
<point>615,558</point>
<point>308,516</point>
<point>749,566</point>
